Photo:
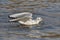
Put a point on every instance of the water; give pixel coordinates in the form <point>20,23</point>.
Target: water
<point>49,29</point>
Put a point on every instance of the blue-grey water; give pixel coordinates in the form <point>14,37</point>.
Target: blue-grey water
<point>48,29</point>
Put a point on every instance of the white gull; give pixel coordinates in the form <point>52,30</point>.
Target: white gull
<point>27,17</point>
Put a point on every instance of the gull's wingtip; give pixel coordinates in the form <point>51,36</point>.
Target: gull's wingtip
<point>11,17</point>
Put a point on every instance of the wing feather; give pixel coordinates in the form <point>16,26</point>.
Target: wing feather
<point>20,15</point>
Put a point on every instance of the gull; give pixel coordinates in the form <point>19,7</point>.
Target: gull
<point>25,18</point>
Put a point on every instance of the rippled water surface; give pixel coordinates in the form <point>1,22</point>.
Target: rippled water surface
<point>49,29</point>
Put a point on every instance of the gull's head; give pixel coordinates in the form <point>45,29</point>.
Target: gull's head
<point>39,18</point>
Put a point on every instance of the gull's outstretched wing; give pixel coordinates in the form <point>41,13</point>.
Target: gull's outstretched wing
<point>24,19</point>
<point>21,15</point>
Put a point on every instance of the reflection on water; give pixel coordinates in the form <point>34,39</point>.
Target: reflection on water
<point>46,30</point>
